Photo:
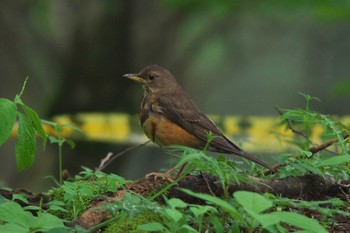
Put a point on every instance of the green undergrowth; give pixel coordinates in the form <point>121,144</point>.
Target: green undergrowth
<point>241,211</point>
<point>72,198</point>
<point>127,224</point>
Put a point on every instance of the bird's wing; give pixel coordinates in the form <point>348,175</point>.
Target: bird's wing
<point>185,113</point>
<point>182,111</point>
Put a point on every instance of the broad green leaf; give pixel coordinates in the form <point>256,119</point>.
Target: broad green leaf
<point>12,227</point>
<point>8,115</point>
<point>335,160</point>
<point>20,196</point>
<point>267,220</point>
<point>188,229</point>
<point>174,214</point>
<point>252,201</point>
<point>176,203</point>
<point>26,143</point>
<point>3,199</point>
<point>46,221</point>
<point>12,212</point>
<point>217,225</point>
<point>34,118</point>
<point>217,201</point>
<point>152,226</point>
<point>299,221</point>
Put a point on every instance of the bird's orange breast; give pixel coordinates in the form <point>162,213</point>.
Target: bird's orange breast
<point>165,133</point>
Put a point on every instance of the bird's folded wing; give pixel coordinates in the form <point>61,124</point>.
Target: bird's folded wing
<point>185,113</point>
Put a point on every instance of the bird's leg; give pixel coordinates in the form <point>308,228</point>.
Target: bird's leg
<point>160,175</point>
<point>182,168</point>
<point>167,175</point>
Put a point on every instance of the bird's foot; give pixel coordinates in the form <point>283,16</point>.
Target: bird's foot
<point>163,176</point>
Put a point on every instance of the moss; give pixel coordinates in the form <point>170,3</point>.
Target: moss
<point>76,196</point>
<point>130,224</point>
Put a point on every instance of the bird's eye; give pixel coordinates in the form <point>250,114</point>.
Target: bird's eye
<point>151,76</point>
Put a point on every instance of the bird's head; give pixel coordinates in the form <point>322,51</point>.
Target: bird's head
<point>155,79</point>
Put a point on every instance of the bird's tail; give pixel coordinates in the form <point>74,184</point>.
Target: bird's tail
<point>255,160</point>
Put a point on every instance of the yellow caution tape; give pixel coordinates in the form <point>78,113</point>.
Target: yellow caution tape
<point>253,133</point>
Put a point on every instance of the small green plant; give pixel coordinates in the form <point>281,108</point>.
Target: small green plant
<point>257,215</point>
<point>327,208</point>
<point>227,171</point>
<point>60,141</point>
<point>14,218</point>
<point>72,198</point>
<point>175,216</point>
<point>28,124</point>
<point>302,122</point>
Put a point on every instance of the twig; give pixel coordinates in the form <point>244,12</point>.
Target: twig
<point>291,127</point>
<point>325,145</point>
<point>346,196</point>
<point>207,183</point>
<point>104,161</point>
<point>110,157</point>
<point>313,150</point>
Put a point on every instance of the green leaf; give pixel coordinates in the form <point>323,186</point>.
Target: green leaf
<point>32,208</point>
<point>152,226</point>
<point>254,204</point>
<point>53,140</point>
<point>335,160</point>
<point>71,143</point>
<point>46,221</point>
<point>2,198</point>
<point>58,208</point>
<point>176,203</point>
<point>20,196</point>
<point>311,168</point>
<point>12,227</point>
<point>34,118</point>
<point>12,212</point>
<point>188,229</point>
<point>57,205</point>
<point>23,87</point>
<point>217,201</point>
<point>217,225</point>
<point>26,143</point>
<point>267,220</point>
<point>252,201</point>
<point>173,214</point>
<point>300,221</point>
<point>72,127</point>
<point>8,112</point>
<point>199,211</point>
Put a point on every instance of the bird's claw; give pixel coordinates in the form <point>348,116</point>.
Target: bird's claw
<point>158,175</point>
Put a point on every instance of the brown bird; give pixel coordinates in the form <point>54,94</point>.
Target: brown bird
<point>168,116</point>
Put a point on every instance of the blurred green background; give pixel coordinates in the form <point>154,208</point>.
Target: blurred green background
<point>233,57</point>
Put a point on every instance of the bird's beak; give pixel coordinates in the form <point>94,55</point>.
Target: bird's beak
<point>135,78</point>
